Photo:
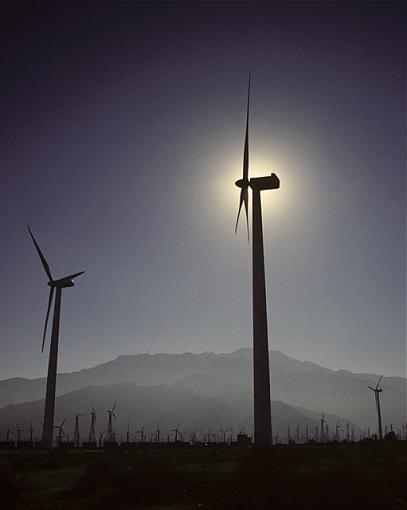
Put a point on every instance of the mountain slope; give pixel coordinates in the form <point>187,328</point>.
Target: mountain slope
<point>223,376</point>
<point>150,406</point>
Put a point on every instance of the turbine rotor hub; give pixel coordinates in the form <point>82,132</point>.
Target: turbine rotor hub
<point>242,183</point>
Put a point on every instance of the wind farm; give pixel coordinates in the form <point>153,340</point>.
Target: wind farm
<point>207,360</point>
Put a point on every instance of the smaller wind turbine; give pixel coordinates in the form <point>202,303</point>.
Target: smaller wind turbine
<point>18,434</point>
<point>8,433</point>
<point>61,432</point>
<point>110,434</point>
<point>322,421</point>
<point>31,431</point>
<point>76,435</point>
<point>337,437</point>
<point>157,435</point>
<point>92,428</point>
<point>128,433</point>
<point>377,392</point>
<point>142,435</point>
<point>62,283</point>
<point>176,433</point>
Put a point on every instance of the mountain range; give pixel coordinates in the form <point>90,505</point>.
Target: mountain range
<point>206,390</point>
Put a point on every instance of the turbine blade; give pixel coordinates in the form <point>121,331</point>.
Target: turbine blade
<point>51,294</point>
<point>44,262</point>
<point>246,139</point>
<point>114,406</point>
<point>72,276</point>
<point>246,206</point>
<point>244,199</point>
<point>114,416</point>
<point>240,206</point>
<point>371,388</point>
<point>377,385</point>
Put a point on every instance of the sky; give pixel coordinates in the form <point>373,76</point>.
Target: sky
<point>121,137</point>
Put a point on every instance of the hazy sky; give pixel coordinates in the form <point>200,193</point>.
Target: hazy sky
<point>122,132</point>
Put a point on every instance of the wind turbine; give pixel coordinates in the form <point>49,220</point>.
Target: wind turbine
<point>110,435</point>
<point>76,435</point>
<point>62,283</point>
<point>31,431</point>
<point>157,435</point>
<point>92,427</point>
<point>262,402</point>
<point>128,433</point>
<point>60,432</point>
<point>18,434</point>
<point>176,431</point>
<point>322,421</point>
<point>337,433</point>
<point>141,432</point>
<point>377,392</point>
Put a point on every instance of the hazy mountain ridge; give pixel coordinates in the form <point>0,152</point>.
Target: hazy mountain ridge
<point>150,406</point>
<point>228,377</point>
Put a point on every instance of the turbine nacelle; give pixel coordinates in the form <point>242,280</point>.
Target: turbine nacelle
<point>269,182</point>
<point>62,283</point>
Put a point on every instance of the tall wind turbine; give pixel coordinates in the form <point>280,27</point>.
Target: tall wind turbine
<point>62,283</point>
<point>377,392</point>
<point>262,402</point>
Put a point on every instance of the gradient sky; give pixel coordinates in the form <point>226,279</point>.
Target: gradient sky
<point>122,132</point>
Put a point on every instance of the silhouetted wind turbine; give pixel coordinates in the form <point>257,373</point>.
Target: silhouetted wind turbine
<point>76,434</point>
<point>176,433</point>
<point>141,432</point>
<point>322,421</point>
<point>377,392</point>
<point>31,431</point>
<point>67,281</point>
<point>60,432</point>
<point>92,427</point>
<point>110,435</point>
<point>262,402</point>
<point>18,434</point>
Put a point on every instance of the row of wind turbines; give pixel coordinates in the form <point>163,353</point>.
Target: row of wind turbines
<point>262,400</point>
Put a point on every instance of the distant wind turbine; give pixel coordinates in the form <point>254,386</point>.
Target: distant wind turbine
<point>176,433</point>
<point>110,434</point>
<point>262,402</point>
<point>76,435</point>
<point>92,427</point>
<point>62,283</point>
<point>61,432</point>
<point>377,392</point>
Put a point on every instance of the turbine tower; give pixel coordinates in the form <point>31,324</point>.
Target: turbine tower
<point>262,402</point>
<point>377,392</point>
<point>67,281</point>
